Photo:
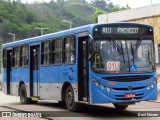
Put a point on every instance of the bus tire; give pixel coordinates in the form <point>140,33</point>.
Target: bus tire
<point>23,95</point>
<point>69,100</point>
<point>120,107</point>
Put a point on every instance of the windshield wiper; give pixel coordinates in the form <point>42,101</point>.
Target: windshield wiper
<point>123,54</point>
<point>138,43</point>
<point>132,52</point>
<point>116,46</point>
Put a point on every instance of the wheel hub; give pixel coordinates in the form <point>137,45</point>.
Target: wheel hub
<point>70,98</point>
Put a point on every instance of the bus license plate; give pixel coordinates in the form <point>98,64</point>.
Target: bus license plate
<point>130,95</point>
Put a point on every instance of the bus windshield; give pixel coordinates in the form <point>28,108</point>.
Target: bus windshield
<point>116,56</point>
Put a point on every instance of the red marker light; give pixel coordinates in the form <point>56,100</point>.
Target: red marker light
<point>95,82</point>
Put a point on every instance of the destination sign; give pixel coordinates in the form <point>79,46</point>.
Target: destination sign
<point>122,30</point>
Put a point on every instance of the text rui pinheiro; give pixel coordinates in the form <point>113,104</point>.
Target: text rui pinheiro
<point>148,114</point>
<point>15,114</point>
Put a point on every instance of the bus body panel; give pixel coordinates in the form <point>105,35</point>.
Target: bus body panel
<point>15,77</point>
<point>54,83</point>
<point>49,84</point>
<point>4,84</point>
<point>45,82</point>
<point>107,99</point>
<point>68,73</point>
<point>23,77</point>
<point>118,90</point>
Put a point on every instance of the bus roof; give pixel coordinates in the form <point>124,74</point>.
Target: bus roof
<point>63,33</point>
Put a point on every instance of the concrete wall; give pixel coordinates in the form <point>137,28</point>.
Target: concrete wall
<point>102,18</point>
<point>131,14</point>
<point>136,13</point>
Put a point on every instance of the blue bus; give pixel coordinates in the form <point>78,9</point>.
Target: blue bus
<point>93,64</point>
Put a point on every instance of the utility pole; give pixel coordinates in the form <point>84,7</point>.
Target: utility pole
<point>70,23</point>
<point>41,29</point>
<point>14,36</point>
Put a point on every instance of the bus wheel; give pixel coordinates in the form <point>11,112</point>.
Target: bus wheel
<point>23,95</point>
<point>69,99</point>
<point>120,107</point>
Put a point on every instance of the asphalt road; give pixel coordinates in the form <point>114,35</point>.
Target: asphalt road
<point>52,110</point>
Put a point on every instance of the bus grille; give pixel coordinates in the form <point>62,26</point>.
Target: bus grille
<point>128,78</point>
<point>122,97</point>
<point>136,88</point>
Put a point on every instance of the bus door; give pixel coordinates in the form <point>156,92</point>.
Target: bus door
<point>9,70</point>
<point>34,70</point>
<point>82,69</point>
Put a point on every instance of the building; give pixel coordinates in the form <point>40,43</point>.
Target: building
<point>147,15</point>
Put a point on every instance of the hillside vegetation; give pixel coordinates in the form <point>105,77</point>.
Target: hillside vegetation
<point>21,19</point>
<point>78,13</point>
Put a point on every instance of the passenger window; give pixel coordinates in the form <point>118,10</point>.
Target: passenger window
<point>24,56</point>
<point>69,50</point>
<point>57,51</point>
<point>16,57</point>
<point>46,53</point>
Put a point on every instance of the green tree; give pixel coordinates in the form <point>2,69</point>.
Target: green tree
<point>81,1</point>
<point>61,2</point>
<point>119,8</point>
<point>109,6</point>
<point>101,4</point>
<point>95,15</point>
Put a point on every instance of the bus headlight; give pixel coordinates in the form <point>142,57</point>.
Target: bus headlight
<point>102,87</point>
<point>108,89</point>
<point>152,85</point>
<point>148,87</point>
